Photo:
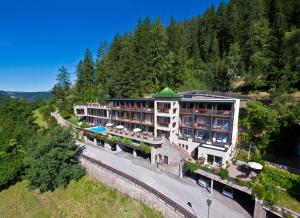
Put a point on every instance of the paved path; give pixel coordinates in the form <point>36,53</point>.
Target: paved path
<point>177,189</point>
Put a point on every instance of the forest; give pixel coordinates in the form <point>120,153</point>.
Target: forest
<point>242,45</point>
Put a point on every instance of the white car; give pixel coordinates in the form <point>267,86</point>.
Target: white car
<point>203,183</point>
<point>228,192</point>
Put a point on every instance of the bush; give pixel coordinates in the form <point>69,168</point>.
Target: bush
<point>191,167</point>
<point>146,148</point>
<point>224,173</point>
<point>84,125</point>
<point>126,141</point>
<point>267,192</point>
<point>65,114</point>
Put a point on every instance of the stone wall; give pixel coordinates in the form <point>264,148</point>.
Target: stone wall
<point>110,179</point>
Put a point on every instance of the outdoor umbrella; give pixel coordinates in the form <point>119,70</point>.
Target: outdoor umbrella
<point>137,130</point>
<point>255,166</point>
<point>109,124</point>
<point>120,127</point>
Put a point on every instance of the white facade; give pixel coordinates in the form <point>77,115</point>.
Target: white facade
<point>168,124</point>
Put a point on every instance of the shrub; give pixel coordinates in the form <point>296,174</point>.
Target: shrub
<point>146,148</point>
<point>267,192</point>
<point>191,167</point>
<point>126,141</point>
<point>65,114</point>
<point>84,125</point>
<point>224,173</point>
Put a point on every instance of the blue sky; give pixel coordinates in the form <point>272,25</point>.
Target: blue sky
<point>38,36</point>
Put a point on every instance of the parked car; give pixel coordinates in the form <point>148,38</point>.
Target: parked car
<point>203,183</point>
<point>228,192</point>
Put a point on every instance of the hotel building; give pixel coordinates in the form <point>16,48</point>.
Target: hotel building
<point>175,125</point>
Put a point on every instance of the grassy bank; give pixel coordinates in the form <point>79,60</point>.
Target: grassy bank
<point>85,198</point>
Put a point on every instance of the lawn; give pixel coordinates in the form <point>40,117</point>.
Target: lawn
<point>84,198</point>
<point>39,118</point>
<point>289,201</point>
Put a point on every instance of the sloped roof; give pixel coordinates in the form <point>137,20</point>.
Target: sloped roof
<point>166,93</point>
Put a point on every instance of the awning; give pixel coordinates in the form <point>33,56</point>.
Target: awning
<point>255,166</point>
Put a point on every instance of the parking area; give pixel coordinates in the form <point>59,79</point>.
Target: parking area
<point>243,199</point>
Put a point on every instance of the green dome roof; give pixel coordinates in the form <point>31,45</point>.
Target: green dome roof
<point>166,93</point>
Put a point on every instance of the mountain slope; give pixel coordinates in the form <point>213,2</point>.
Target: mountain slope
<point>28,96</point>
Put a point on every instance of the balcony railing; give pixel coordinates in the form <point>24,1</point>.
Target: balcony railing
<point>163,110</point>
<point>220,128</point>
<point>163,123</point>
<point>185,111</point>
<point>224,113</point>
<point>202,111</point>
<point>201,125</point>
<point>183,124</point>
<point>132,108</point>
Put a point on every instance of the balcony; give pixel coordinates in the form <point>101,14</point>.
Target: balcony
<point>185,111</point>
<point>163,110</point>
<point>220,128</point>
<point>132,108</point>
<point>183,124</point>
<point>202,111</point>
<point>133,120</point>
<point>223,113</point>
<point>163,124</point>
<point>202,125</point>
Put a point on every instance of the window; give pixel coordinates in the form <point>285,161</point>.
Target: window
<point>202,135</point>
<point>186,147</point>
<point>166,160</point>
<point>80,111</point>
<point>218,160</point>
<point>221,137</point>
<point>187,119</point>
<point>224,123</point>
<point>187,132</point>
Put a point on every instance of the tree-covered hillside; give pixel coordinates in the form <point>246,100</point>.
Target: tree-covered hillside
<point>28,96</point>
<point>242,45</point>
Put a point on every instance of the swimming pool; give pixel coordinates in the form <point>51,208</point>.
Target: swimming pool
<point>98,129</point>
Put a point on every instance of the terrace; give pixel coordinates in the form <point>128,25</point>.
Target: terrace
<point>146,137</point>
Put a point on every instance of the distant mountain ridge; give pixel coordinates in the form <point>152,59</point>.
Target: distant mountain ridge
<point>28,96</point>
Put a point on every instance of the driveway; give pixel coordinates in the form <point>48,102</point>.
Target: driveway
<point>179,190</point>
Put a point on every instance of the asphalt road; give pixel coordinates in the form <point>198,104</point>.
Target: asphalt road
<point>177,189</point>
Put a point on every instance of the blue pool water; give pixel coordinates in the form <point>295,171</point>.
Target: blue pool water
<point>98,129</point>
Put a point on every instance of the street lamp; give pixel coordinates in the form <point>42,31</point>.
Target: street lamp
<point>191,206</point>
<point>208,201</point>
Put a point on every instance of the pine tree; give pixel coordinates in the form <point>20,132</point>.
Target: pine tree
<point>79,81</point>
<point>88,70</point>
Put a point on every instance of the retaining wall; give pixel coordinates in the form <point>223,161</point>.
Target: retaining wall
<point>135,191</point>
